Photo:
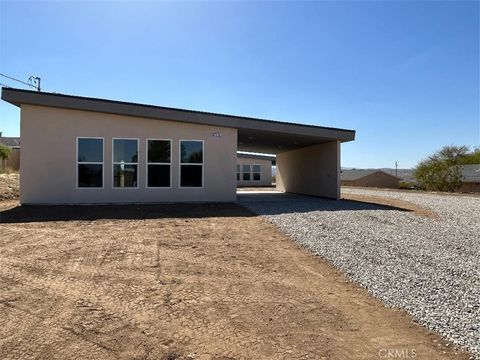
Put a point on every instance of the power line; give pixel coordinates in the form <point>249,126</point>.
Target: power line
<point>5,85</point>
<point>23,82</point>
<point>20,81</point>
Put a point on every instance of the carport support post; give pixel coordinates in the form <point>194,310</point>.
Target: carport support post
<point>312,170</point>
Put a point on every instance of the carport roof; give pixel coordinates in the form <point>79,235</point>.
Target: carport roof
<point>254,135</point>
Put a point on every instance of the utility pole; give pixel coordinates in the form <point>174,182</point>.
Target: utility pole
<point>35,82</point>
<point>396,167</point>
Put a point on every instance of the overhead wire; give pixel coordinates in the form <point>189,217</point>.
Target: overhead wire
<point>20,81</point>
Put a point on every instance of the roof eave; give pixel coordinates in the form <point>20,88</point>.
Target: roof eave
<point>19,97</point>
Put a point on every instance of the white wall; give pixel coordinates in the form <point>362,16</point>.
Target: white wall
<point>312,170</point>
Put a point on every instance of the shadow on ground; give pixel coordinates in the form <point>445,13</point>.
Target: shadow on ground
<point>261,203</point>
<point>276,203</point>
<point>40,213</point>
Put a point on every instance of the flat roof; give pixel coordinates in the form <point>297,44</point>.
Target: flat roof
<point>256,156</point>
<point>254,135</point>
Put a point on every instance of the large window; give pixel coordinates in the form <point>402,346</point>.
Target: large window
<point>89,162</point>
<point>191,163</point>
<point>158,163</point>
<point>246,172</point>
<point>256,172</point>
<point>238,172</point>
<point>125,163</point>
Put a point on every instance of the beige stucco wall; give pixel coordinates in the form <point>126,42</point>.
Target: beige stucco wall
<point>378,179</point>
<point>265,174</point>
<point>48,166</point>
<point>312,170</point>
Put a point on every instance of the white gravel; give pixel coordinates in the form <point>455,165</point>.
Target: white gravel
<point>429,267</point>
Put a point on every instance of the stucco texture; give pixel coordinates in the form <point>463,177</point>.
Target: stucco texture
<point>312,170</point>
<point>49,166</point>
<point>265,174</point>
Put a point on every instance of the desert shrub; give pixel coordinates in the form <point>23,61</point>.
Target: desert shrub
<point>441,171</point>
<point>4,152</point>
<point>407,185</point>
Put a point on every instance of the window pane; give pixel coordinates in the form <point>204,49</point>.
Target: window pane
<point>159,151</point>
<point>191,175</point>
<point>256,176</point>
<point>124,176</point>
<point>191,152</point>
<point>246,172</point>
<point>158,175</point>
<point>90,175</point>
<point>90,150</point>
<point>256,168</point>
<point>125,150</point>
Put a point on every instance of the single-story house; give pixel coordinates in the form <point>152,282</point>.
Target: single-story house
<point>470,178</point>
<point>13,160</point>
<point>254,169</point>
<point>369,178</point>
<point>79,150</point>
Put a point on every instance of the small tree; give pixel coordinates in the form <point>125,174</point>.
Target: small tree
<point>441,171</point>
<point>4,154</point>
<point>472,158</point>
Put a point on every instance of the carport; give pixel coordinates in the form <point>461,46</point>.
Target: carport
<point>307,156</point>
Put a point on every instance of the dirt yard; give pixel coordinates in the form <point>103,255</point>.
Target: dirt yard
<point>9,185</point>
<point>182,282</point>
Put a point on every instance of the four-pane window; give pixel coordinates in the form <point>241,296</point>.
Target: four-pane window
<point>191,163</point>
<point>158,163</point>
<point>89,162</point>
<point>125,163</point>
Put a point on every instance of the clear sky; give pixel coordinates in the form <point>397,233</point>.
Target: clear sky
<point>404,74</point>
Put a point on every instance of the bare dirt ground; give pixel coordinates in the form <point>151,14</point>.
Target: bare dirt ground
<point>182,282</point>
<point>9,186</point>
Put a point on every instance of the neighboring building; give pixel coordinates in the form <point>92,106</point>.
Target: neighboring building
<point>254,170</point>
<point>13,161</point>
<point>86,150</point>
<point>369,178</point>
<point>470,178</point>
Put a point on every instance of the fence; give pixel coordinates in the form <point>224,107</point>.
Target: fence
<point>12,162</point>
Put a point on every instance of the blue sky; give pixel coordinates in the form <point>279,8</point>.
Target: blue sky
<point>404,74</point>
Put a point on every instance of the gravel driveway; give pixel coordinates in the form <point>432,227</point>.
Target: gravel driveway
<point>429,267</point>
